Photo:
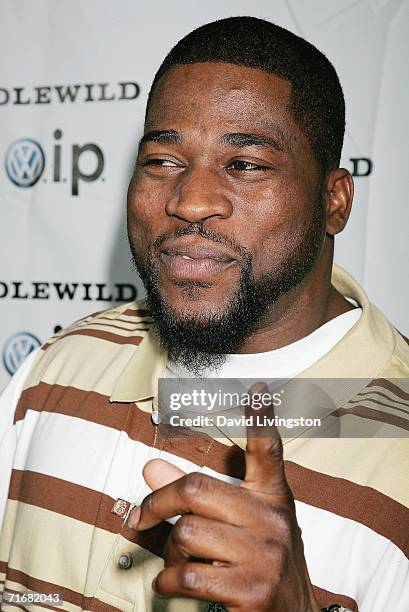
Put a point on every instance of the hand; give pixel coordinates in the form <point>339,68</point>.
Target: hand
<point>240,546</point>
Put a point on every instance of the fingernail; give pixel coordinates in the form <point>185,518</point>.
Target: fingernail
<point>134,517</point>
<point>258,387</point>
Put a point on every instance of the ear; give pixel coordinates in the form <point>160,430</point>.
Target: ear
<point>339,191</point>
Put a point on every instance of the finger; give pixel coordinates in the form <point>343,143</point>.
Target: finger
<point>158,473</point>
<point>264,450</point>
<point>200,581</point>
<point>195,536</point>
<point>199,494</point>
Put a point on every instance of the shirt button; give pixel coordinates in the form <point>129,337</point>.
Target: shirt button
<point>155,417</point>
<point>125,561</point>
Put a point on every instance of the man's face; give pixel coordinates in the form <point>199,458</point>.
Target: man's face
<point>224,211</point>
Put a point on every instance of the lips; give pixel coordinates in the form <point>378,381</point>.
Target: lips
<point>195,260</point>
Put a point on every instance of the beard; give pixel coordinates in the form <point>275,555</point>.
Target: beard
<point>201,342</point>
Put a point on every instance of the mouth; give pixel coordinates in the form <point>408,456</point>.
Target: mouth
<point>195,260</point>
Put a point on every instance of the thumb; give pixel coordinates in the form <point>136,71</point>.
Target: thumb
<point>158,473</point>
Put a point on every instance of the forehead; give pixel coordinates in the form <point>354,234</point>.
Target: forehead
<point>222,97</point>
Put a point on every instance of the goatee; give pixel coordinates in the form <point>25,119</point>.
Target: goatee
<point>200,343</point>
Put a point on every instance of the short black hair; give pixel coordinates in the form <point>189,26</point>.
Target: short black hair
<point>316,103</point>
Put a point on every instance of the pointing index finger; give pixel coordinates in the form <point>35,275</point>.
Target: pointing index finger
<point>264,450</point>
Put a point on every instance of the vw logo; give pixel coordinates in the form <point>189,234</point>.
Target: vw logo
<point>17,348</point>
<point>25,161</point>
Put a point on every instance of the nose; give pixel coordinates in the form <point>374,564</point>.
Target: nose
<point>199,195</point>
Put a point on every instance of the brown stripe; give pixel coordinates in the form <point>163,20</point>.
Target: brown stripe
<point>378,403</point>
<point>87,405</point>
<point>134,340</point>
<point>390,386</point>
<point>66,498</point>
<point>130,320</point>
<point>394,401</point>
<point>115,338</point>
<point>373,415</point>
<point>326,599</point>
<point>364,505</point>
<point>137,312</point>
<point>63,332</point>
<point>72,597</point>
<point>82,504</point>
<point>118,321</point>
<point>122,319</point>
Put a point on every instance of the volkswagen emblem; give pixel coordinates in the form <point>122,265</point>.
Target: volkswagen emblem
<point>25,161</point>
<point>17,348</point>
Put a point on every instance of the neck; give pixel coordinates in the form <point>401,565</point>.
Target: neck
<point>300,311</point>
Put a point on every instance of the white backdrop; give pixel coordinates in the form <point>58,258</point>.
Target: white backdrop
<point>74,80</point>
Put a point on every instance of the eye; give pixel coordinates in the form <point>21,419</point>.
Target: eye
<point>242,165</point>
<point>162,163</point>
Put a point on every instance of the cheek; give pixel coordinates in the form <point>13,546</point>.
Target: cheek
<point>273,223</point>
<point>145,207</point>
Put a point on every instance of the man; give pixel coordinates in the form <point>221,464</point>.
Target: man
<point>233,207</point>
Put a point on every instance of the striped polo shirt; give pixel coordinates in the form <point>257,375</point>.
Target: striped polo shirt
<point>76,430</point>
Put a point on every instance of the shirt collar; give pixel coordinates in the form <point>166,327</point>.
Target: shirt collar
<point>362,353</point>
<point>139,379</point>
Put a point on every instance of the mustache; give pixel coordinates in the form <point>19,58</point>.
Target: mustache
<point>198,229</point>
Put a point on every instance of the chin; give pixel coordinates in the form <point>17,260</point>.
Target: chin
<point>191,298</point>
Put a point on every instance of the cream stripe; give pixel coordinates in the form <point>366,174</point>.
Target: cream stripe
<point>381,463</point>
<point>16,586</point>
<point>87,363</point>
<point>43,559</point>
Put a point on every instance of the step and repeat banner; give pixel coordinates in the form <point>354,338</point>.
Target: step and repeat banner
<point>74,80</point>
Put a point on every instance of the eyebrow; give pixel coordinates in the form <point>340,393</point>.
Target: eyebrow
<point>162,137</point>
<point>280,142</point>
<point>241,140</point>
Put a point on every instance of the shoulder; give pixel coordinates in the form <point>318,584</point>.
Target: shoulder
<point>98,343</point>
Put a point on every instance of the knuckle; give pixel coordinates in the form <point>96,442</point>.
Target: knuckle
<point>281,523</point>
<point>191,486</point>
<point>275,450</point>
<point>215,585</point>
<point>276,554</point>
<point>263,595</point>
<point>254,592</point>
<point>182,532</point>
